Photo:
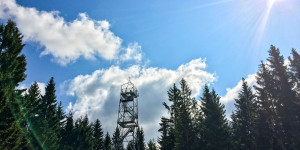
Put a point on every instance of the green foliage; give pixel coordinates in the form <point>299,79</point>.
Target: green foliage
<point>68,133</point>
<point>151,145</point>
<point>141,139</point>
<point>278,99</point>
<point>215,127</point>
<point>98,140</point>
<point>107,142</point>
<point>83,134</point>
<point>12,72</point>
<point>117,143</point>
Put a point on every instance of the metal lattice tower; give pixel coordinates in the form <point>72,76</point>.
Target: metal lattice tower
<point>128,113</point>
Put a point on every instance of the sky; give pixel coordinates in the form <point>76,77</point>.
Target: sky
<point>92,47</point>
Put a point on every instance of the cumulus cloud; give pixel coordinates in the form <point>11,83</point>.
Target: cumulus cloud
<point>132,52</point>
<point>66,41</point>
<point>232,93</point>
<point>98,96</point>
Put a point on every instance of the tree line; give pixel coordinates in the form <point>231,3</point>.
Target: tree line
<point>267,116</point>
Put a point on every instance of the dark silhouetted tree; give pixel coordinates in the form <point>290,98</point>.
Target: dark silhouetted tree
<point>215,126</point>
<point>98,135</point>
<point>243,120</point>
<point>107,142</point>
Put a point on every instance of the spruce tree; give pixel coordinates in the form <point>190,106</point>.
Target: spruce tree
<point>49,114</point>
<point>141,139</point>
<point>98,136</point>
<point>117,143</point>
<point>243,120</point>
<point>33,115</point>
<point>130,145</point>
<point>151,145</point>
<point>60,120</point>
<point>107,142</point>
<point>215,126</point>
<point>83,134</point>
<point>184,132</point>
<point>295,73</point>
<point>283,99</point>
<point>166,141</point>
<point>12,72</point>
<point>68,133</point>
<point>264,127</point>
<point>295,70</point>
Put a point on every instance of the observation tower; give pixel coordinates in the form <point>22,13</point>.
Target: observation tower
<point>128,114</point>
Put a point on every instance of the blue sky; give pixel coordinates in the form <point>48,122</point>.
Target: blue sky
<point>232,36</point>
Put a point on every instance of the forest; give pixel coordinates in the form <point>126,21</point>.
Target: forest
<point>266,116</point>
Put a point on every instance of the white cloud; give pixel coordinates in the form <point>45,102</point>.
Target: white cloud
<point>132,52</point>
<point>233,92</point>
<point>41,85</point>
<point>97,94</point>
<point>67,41</point>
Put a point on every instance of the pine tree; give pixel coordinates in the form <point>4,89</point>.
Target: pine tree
<point>49,115</point>
<point>184,132</point>
<point>68,133</point>
<point>60,120</point>
<point>151,145</point>
<point>117,143</point>
<point>83,134</point>
<point>215,126</point>
<point>130,145</point>
<point>243,120</point>
<point>281,99</point>
<point>166,141</point>
<point>266,111</point>
<point>141,139</point>
<point>33,115</point>
<point>295,73</point>
<point>107,142</point>
<point>295,70</point>
<point>12,72</point>
<point>98,136</point>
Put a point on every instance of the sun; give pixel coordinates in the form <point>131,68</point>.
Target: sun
<point>271,2</point>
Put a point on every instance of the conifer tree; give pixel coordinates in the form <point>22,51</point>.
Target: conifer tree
<point>151,145</point>
<point>68,133</point>
<point>83,134</point>
<point>184,132</point>
<point>215,127</point>
<point>107,142</point>
<point>166,141</point>
<point>130,145</point>
<point>12,72</point>
<point>283,99</point>
<point>98,136</point>
<point>266,111</point>
<point>49,115</point>
<point>141,139</point>
<point>61,121</point>
<point>117,143</point>
<point>33,115</point>
<point>295,70</point>
<point>243,120</point>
